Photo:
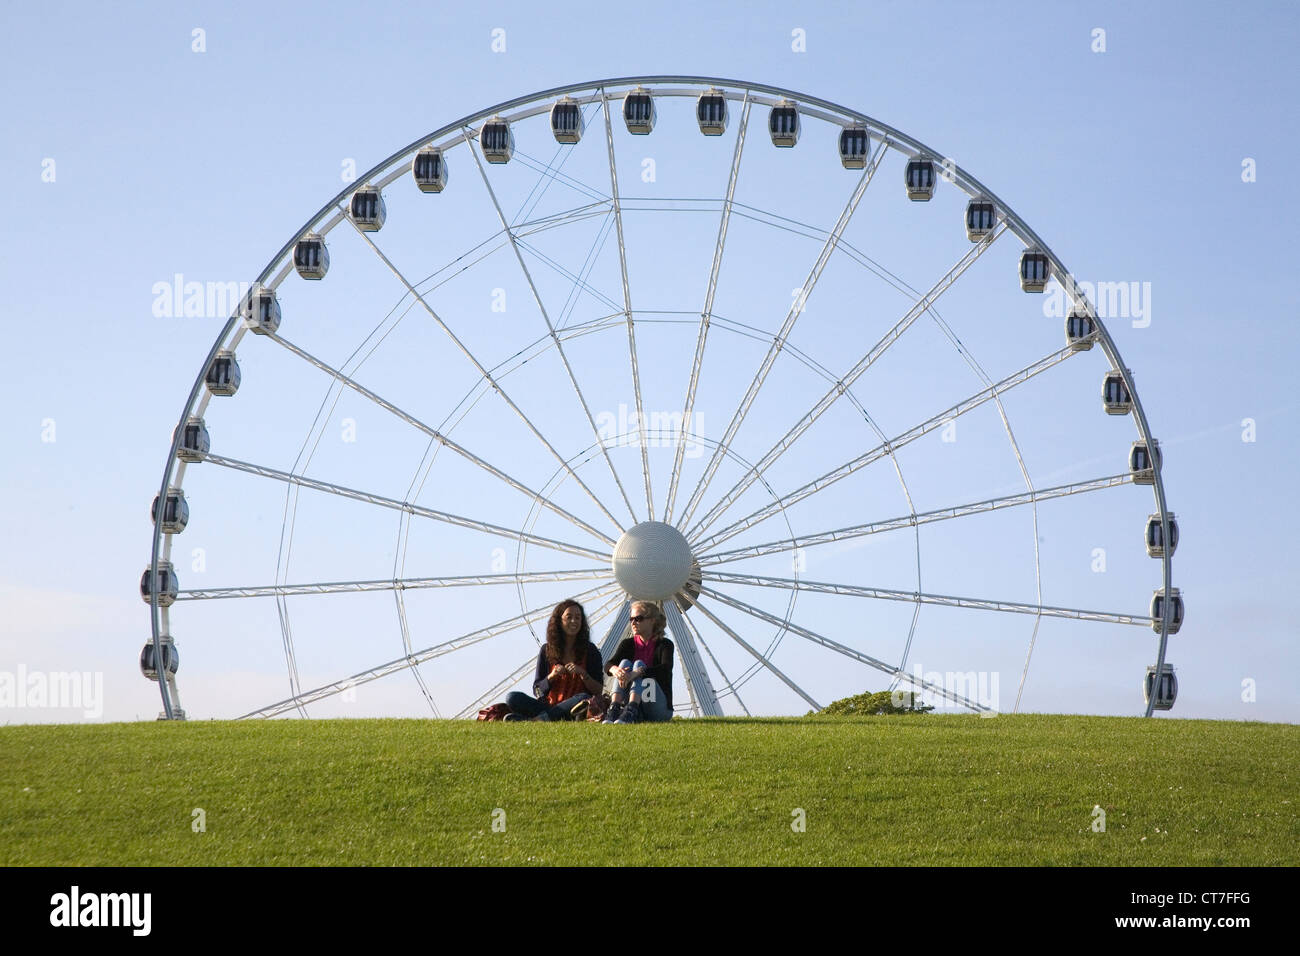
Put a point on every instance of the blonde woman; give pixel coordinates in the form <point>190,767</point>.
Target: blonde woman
<point>640,672</point>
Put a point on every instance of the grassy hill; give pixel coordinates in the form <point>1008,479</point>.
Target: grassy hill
<point>878,790</point>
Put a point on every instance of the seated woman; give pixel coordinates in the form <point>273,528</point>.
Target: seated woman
<point>640,681</point>
<point>565,666</point>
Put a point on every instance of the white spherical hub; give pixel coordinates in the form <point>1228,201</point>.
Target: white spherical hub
<point>652,561</point>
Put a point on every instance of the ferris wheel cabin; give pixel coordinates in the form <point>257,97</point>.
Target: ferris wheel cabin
<point>1155,536</point>
<point>148,660</point>
<point>262,312</point>
<point>566,121</point>
<point>1164,689</point>
<point>1035,270</point>
<point>783,124</point>
<point>855,147</point>
<point>367,209</point>
<point>981,217</point>
<point>176,513</point>
<point>639,112</point>
<point>1140,463</point>
<point>1175,610</point>
<point>918,176</point>
<point>429,169</point>
<point>164,583</point>
<point>1080,331</point>
<point>195,443</point>
<point>711,112</point>
<point>1115,397</point>
<point>222,377</point>
<point>310,257</point>
<point>497,141</point>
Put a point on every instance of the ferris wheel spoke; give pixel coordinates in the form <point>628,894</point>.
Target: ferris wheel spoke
<point>912,520</point>
<point>776,671</point>
<point>699,639</point>
<point>454,519</point>
<point>922,305</point>
<point>706,316</point>
<point>559,347</point>
<point>845,650</point>
<point>522,670</point>
<point>393,584</point>
<point>488,377</point>
<point>944,600</point>
<point>411,660</point>
<point>881,450</point>
<point>440,438</point>
<point>796,308</point>
<point>627,306</point>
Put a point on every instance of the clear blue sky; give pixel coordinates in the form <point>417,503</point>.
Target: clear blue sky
<point>131,157</point>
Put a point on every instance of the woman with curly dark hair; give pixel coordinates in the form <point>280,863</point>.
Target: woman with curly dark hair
<point>565,668</point>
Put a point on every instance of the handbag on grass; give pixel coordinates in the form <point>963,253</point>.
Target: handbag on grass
<point>597,707</point>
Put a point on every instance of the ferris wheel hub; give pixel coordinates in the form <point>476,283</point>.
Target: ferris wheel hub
<point>652,561</point>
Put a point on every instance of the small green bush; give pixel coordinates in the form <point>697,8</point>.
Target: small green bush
<point>870,705</point>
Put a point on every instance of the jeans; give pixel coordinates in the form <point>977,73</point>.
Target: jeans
<point>654,707</point>
<point>525,706</point>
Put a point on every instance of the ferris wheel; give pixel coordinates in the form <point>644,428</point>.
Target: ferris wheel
<point>640,347</point>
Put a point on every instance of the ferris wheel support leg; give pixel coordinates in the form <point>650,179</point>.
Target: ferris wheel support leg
<point>702,692</point>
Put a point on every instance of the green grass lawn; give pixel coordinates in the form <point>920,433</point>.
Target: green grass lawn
<point>948,790</point>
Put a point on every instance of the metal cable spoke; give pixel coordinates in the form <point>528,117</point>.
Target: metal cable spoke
<point>845,650</point>
<point>411,660</point>
<point>449,518</point>
<point>881,450</point>
<point>440,438</point>
<point>944,600</point>
<point>496,386</point>
<point>706,315</point>
<point>627,307</point>
<point>778,342</point>
<point>912,520</point>
<point>776,671</point>
<point>919,308</point>
<point>559,348</point>
<point>392,584</point>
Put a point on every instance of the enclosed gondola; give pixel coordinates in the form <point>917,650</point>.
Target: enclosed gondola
<point>1115,397</point>
<point>310,257</point>
<point>176,513</point>
<point>1140,461</point>
<point>367,209</point>
<point>262,312</point>
<point>981,217</point>
<point>855,147</point>
<point>1035,270</point>
<point>1158,610</point>
<point>566,121</point>
<point>195,443</point>
<point>170,658</point>
<point>429,169</point>
<point>1164,689</point>
<point>1155,536</point>
<point>639,112</point>
<point>919,178</point>
<point>222,377</point>
<point>1080,331</point>
<point>783,124</point>
<point>711,112</point>
<point>164,584</point>
<point>497,141</point>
